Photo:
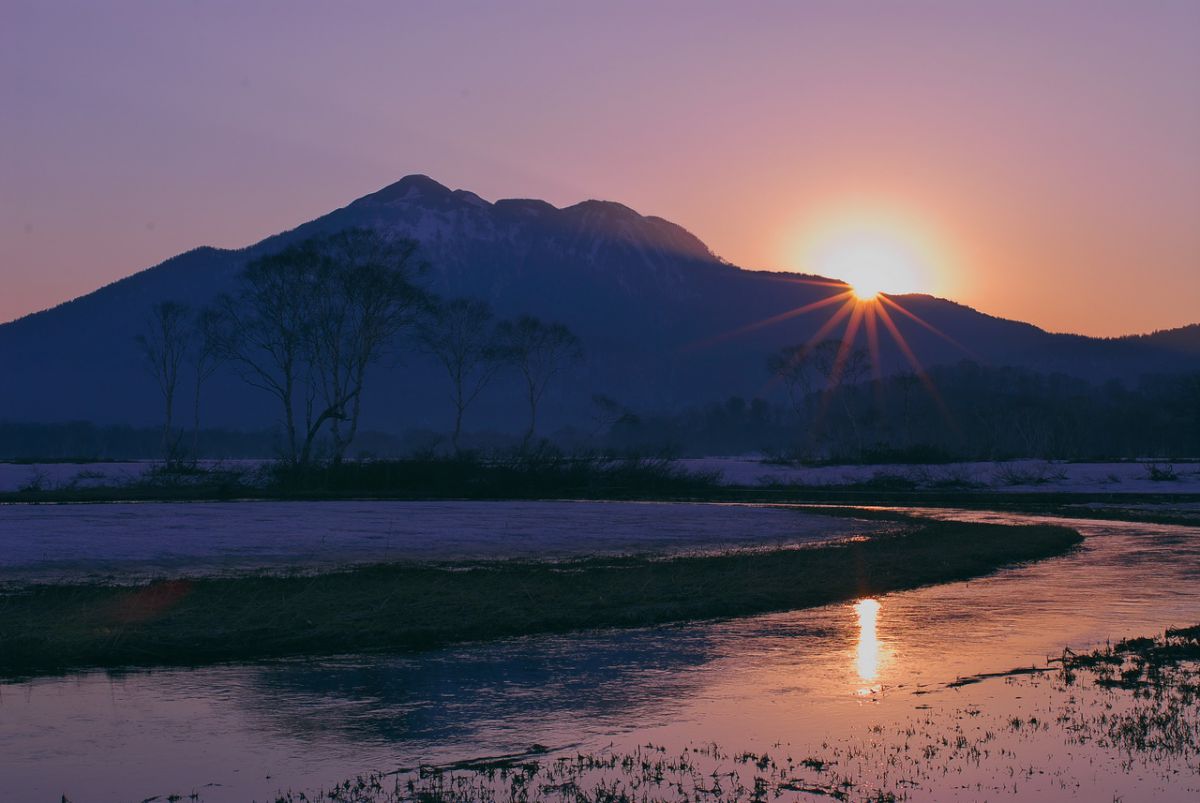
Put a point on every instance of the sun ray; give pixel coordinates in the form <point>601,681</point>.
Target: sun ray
<point>877,386</point>
<point>886,317</point>
<point>899,307</point>
<point>858,313</point>
<point>872,327</point>
<point>848,337</point>
<point>839,361</point>
<point>918,368</point>
<point>820,334</point>
<point>855,307</point>
<point>783,316</point>
<point>830,324</point>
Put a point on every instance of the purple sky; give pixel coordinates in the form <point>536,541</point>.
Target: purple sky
<point>1044,156</point>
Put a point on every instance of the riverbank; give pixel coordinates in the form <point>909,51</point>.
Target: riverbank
<point>1171,499</point>
<point>406,606</point>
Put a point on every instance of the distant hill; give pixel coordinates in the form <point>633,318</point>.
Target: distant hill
<point>1184,341</point>
<point>650,301</point>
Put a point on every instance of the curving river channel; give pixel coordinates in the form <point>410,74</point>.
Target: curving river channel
<point>812,680</point>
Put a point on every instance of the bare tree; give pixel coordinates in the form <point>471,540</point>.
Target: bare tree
<point>540,351</point>
<point>793,366</point>
<point>164,344</point>
<point>367,296</point>
<point>459,334</point>
<point>263,330</point>
<point>842,365</point>
<point>307,322</point>
<point>206,359</point>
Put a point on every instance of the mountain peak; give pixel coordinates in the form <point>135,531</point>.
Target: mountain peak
<point>608,208</point>
<point>526,206</point>
<point>413,187</point>
<point>639,290</point>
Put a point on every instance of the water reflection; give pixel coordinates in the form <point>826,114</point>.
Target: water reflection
<point>784,677</point>
<point>870,652</point>
<point>604,681</point>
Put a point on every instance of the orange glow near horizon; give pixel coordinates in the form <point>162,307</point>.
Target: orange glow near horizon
<point>874,251</point>
<point>1039,159</point>
<point>863,312</point>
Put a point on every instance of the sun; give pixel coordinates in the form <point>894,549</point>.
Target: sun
<point>870,261</point>
<point>865,264</point>
<point>872,252</point>
<point>865,293</point>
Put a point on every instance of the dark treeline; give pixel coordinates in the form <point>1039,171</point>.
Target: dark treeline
<point>961,412</point>
<point>978,413</point>
<point>84,441</point>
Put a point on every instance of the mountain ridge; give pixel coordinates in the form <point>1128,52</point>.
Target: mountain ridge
<point>640,290</point>
<point>425,184</point>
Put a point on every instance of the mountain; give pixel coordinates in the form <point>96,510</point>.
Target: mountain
<point>654,307</point>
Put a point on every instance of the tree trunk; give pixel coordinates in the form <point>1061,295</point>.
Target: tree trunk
<point>342,443</point>
<point>290,418</point>
<point>314,429</point>
<point>168,447</point>
<point>196,421</point>
<point>532,418</point>
<point>458,417</point>
<point>858,444</point>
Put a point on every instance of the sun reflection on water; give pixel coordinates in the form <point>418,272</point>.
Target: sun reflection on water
<point>869,654</point>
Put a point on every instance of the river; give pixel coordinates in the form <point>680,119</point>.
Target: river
<point>810,680</point>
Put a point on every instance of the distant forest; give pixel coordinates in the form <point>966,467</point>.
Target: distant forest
<point>961,412</point>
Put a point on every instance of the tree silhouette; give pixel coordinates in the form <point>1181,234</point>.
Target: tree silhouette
<point>206,359</point>
<point>366,296</point>
<point>263,330</point>
<point>164,344</point>
<point>842,365</point>
<point>307,322</point>
<point>793,366</point>
<point>540,352</point>
<point>459,334</point>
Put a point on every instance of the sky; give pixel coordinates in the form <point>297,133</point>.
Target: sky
<point>1035,160</point>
